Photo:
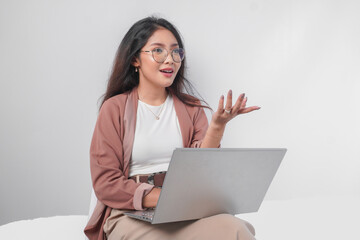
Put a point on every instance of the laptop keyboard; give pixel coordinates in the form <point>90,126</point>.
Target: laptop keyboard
<point>148,214</point>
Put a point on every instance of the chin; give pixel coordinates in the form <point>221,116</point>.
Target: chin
<point>168,83</point>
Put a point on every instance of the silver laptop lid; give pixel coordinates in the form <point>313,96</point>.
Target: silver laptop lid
<point>205,182</point>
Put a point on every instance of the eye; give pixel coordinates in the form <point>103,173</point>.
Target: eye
<point>158,50</point>
<point>176,51</point>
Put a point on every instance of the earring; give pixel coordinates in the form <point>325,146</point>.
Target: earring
<point>136,69</point>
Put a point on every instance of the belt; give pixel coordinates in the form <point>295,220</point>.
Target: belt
<point>155,179</point>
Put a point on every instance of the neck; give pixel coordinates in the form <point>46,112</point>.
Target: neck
<point>152,96</point>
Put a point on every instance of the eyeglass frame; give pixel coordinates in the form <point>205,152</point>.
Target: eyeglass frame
<point>167,54</point>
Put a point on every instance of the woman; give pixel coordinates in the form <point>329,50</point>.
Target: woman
<point>144,116</point>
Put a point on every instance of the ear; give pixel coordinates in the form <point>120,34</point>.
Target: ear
<point>135,62</point>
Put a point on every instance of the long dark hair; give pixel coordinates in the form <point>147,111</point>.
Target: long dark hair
<point>123,77</point>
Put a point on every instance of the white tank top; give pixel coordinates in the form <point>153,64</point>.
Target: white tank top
<point>155,140</point>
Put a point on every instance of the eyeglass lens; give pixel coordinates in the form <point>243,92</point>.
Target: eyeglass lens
<point>160,54</point>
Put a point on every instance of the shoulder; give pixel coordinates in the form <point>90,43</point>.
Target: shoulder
<point>115,104</point>
<point>119,99</point>
<point>193,111</point>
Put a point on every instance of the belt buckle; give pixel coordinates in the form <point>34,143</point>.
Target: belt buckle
<point>151,178</point>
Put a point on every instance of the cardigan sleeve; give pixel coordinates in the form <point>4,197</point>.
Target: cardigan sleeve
<point>200,124</point>
<point>107,161</point>
<point>200,127</point>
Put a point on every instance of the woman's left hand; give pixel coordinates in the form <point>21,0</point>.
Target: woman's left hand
<point>223,115</point>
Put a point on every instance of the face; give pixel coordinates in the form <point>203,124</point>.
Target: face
<point>151,73</point>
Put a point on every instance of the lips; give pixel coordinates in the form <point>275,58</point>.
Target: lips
<point>167,72</point>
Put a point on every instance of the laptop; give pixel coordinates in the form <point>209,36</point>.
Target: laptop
<point>203,182</point>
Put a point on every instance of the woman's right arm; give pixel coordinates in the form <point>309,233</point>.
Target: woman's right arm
<point>107,163</point>
<point>220,118</point>
<point>151,199</point>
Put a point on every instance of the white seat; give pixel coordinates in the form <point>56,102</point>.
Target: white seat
<point>93,201</point>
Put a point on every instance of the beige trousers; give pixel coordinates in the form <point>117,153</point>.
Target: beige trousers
<point>222,226</point>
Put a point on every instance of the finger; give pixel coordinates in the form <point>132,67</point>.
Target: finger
<point>247,110</point>
<point>239,102</point>
<point>229,101</point>
<point>243,104</point>
<point>221,104</point>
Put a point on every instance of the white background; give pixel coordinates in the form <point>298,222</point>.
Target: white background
<point>298,60</point>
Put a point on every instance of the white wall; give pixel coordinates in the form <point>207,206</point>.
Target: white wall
<point>298,60</point>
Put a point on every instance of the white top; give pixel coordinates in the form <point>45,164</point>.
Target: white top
<point>155,140</point>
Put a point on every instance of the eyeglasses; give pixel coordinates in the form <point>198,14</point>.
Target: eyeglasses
<point>161,54</point>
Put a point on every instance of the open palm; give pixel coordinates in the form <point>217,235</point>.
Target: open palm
<point>224,115</point>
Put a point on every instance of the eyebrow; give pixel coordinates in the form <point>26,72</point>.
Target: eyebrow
<point>163,45</point>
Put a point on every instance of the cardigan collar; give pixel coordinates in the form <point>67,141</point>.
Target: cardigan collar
<point>186,125</point>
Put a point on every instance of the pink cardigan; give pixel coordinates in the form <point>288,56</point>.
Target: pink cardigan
<point>110,155</point>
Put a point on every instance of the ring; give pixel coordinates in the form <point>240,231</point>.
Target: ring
<point>227,111</point>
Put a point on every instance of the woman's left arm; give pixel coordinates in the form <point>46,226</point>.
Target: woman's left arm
<point>222,116</point>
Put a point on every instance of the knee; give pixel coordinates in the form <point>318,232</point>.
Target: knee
<point>249,226</point>
<point>231,222</point>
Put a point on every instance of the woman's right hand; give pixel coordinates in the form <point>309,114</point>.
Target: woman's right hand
<point>223,115</point>
<point>150,200</point>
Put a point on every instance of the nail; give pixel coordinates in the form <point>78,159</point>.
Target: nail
<point>230,92</point>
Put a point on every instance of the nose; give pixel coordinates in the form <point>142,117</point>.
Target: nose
<point>169,59</point>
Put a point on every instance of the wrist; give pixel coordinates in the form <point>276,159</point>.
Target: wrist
<point>215,131</point>
<point>216,127</point>
<point>150,200</point>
